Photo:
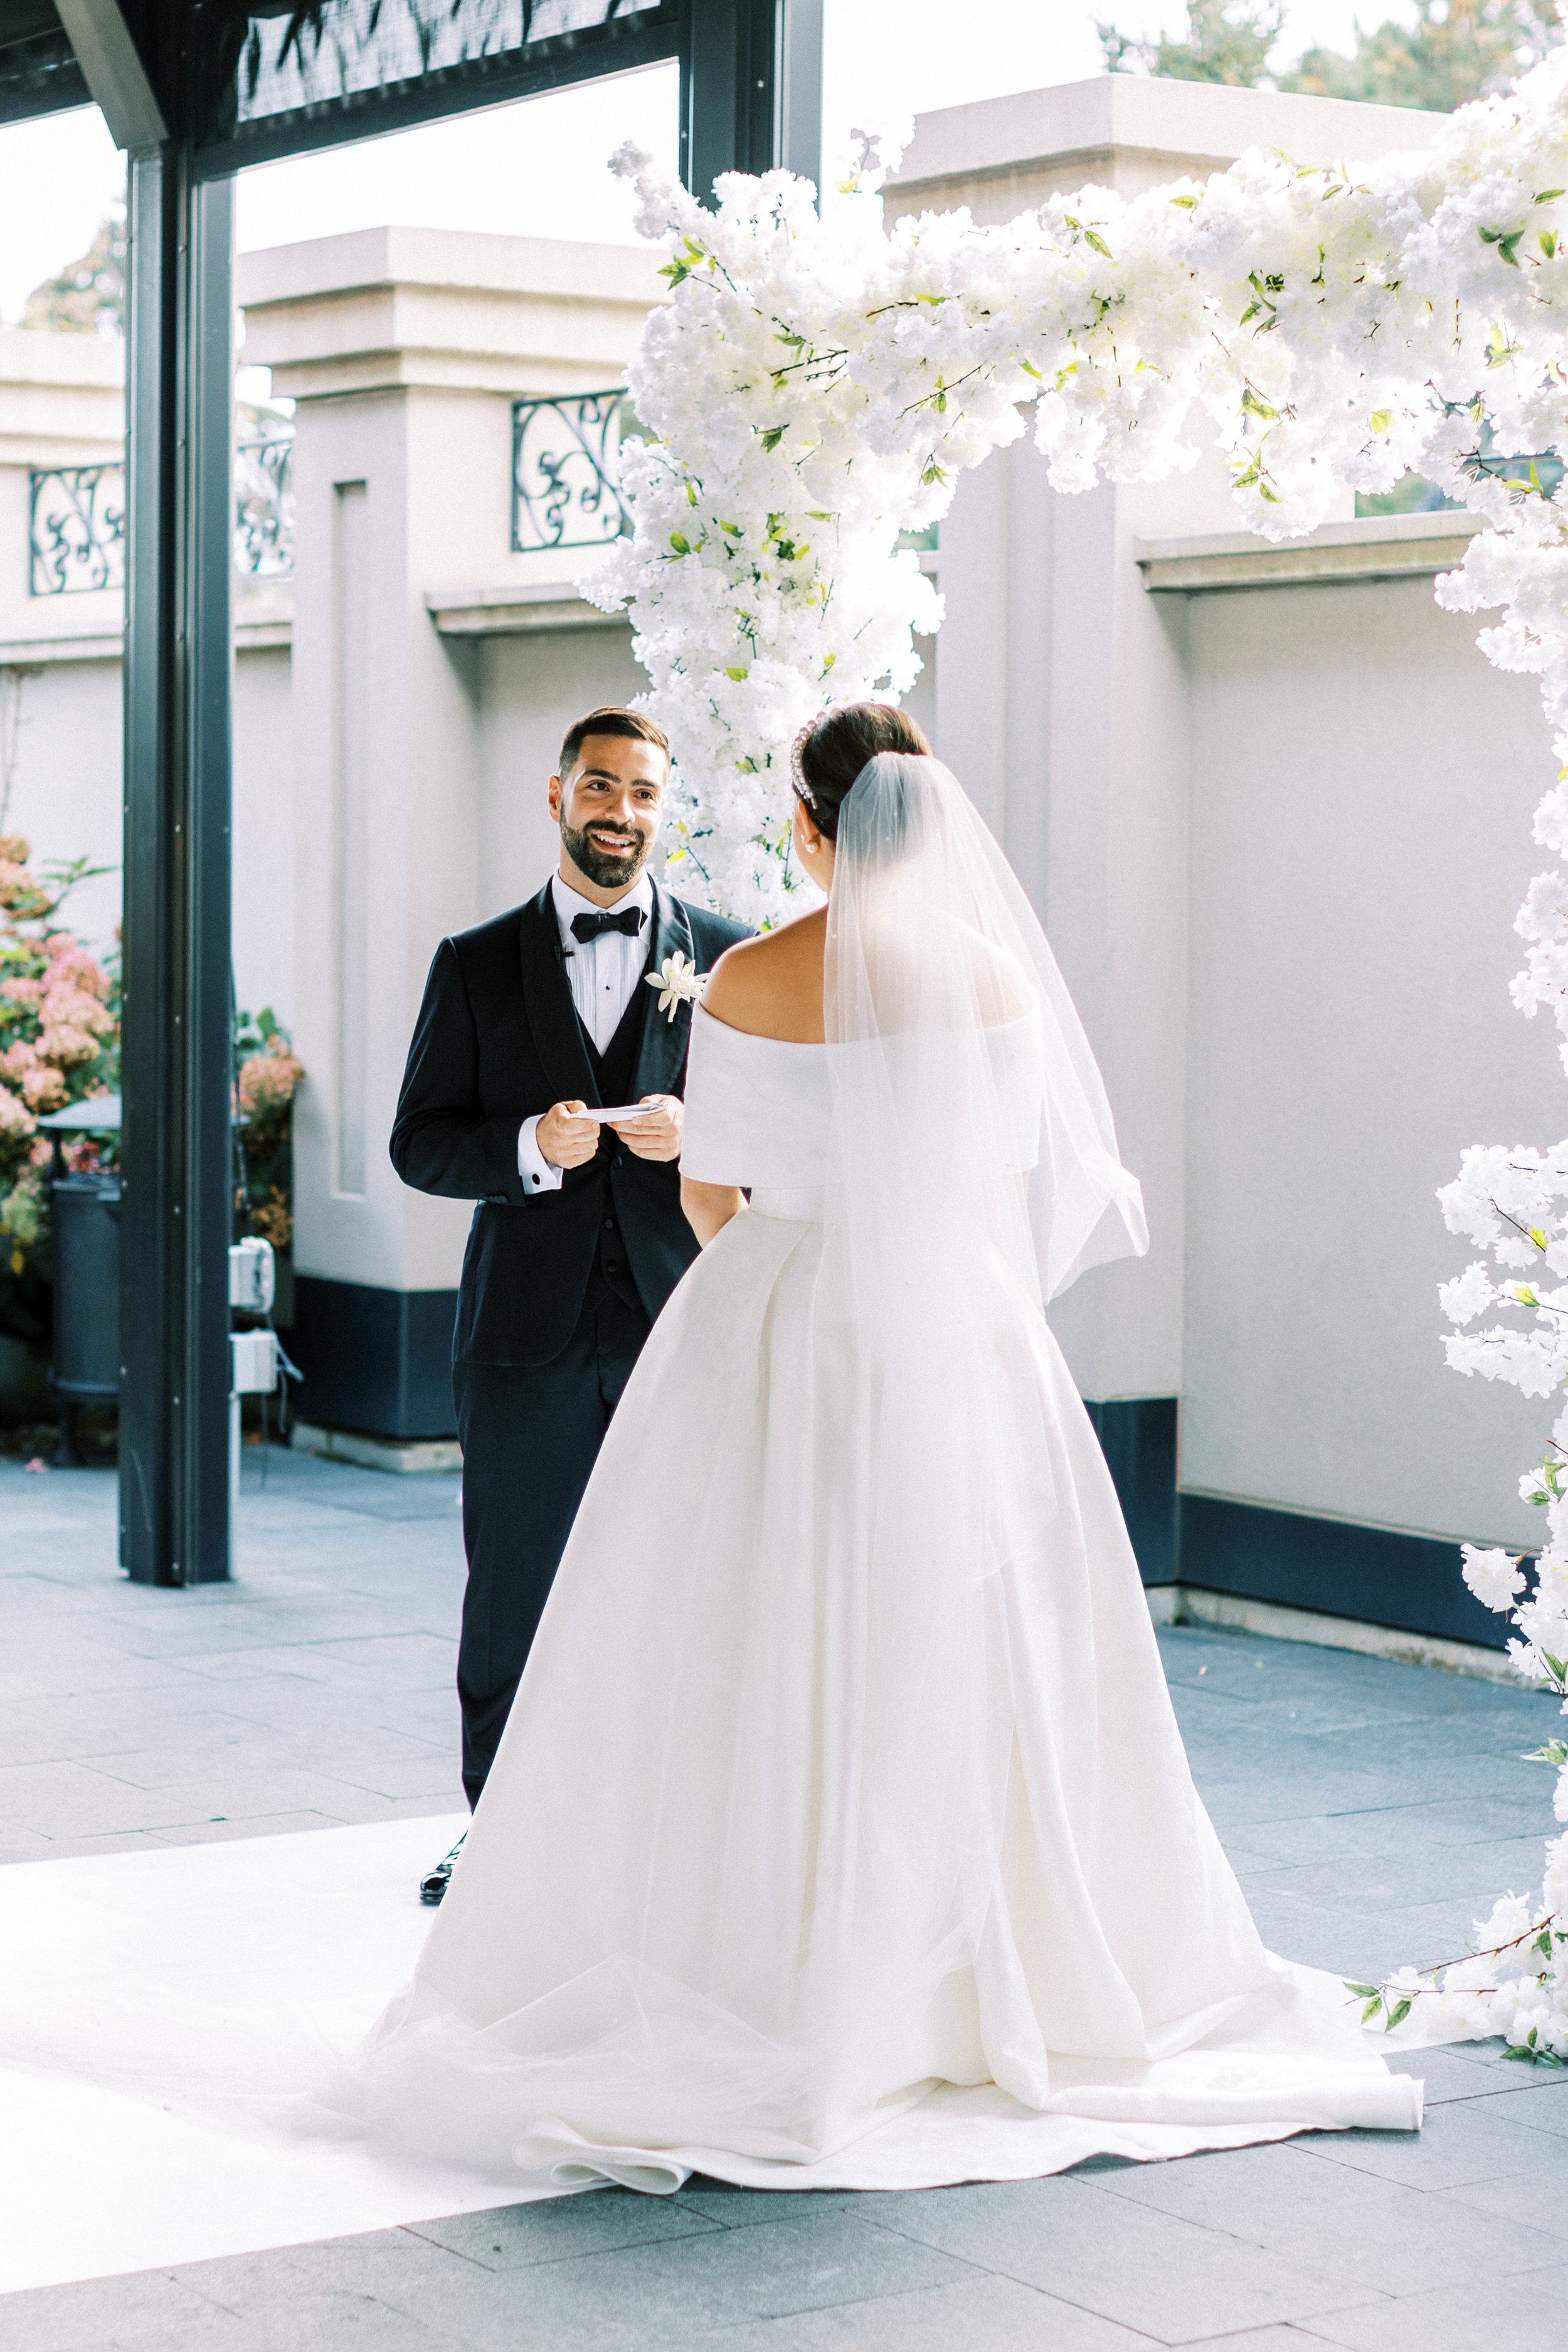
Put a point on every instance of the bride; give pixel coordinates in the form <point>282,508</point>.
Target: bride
<point>842,1834</point>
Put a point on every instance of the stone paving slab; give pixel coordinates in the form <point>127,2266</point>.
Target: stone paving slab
<point>1370,1808</point>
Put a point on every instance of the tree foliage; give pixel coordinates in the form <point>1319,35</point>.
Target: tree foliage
<point>1455,51</point>
<point>88,297</point>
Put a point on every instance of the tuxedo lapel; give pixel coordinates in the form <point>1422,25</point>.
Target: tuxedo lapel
<point>664,1042</point>
<point>547,1000</point>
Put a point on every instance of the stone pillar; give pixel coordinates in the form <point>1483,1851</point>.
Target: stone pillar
<point>403,349</point>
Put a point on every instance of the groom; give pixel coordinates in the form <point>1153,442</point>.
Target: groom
<point>530,1022</point>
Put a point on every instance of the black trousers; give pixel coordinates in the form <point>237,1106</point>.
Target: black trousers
<point>531,1433</point>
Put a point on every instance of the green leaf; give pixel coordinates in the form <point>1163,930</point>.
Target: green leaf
<point>1381,418</point>
<point>736,530</point>
<point>1370,2011</point>
<point>1522,2051</point>
<point>680,543</point>
<point>1187,203</point>
<point>1559,1671</point>
<point>1537,1236</point>
<point>1252,406</point>
<point>1092,236</point>
<point>1550,195</point>
<point>934,473</point>
<point>1397,2014</point>
<point>1548,242</point>
<point>1554,1752</point>
<point>1525,1295</point>
<point>739,675</point>
<point>1366,1993</point>
<point>773,436</point>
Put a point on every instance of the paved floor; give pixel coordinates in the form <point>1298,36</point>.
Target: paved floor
<point>1371,1809</point>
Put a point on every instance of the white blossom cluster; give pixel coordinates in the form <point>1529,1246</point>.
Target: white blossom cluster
<point>1513,1206</point>
<point>816,384</point>
<point>1513,1982</point>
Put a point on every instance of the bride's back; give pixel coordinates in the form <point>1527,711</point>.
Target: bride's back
<point>773,986</point>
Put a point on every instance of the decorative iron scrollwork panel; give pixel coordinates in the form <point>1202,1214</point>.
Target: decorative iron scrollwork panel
<point>264,506</point>
<point>77,530</point>
<point>566,471</point>
<point>77,521</point>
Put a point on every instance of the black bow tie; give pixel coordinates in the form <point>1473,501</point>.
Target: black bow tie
<point>588,927</point>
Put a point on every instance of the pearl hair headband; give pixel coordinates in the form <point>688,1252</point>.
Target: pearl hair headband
<point>796,773</point>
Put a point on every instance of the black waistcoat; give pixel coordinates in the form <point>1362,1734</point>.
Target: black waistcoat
<point>615,1075</point>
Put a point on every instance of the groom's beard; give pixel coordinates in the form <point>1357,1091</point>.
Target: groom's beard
<point>610,866</point>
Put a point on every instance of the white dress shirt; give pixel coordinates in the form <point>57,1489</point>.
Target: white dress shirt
<point>604,975</point>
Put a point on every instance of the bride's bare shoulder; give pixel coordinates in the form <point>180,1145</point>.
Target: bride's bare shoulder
<point>772,986</point>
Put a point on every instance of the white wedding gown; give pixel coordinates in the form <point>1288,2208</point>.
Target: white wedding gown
<point>842,1834</point>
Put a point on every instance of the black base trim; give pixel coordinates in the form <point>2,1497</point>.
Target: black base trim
<point>379,1361</point>
<point>1138,1438</point>
<point>1411,1582</point>
<point>1334,1565</point>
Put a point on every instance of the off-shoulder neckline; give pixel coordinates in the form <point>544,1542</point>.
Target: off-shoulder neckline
<point>820,1044</point>
<point>759,1037</point>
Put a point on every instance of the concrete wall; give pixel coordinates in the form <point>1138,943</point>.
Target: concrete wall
<point>1362,788</point>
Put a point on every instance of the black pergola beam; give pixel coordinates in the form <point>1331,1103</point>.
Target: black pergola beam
<point>619,47</point>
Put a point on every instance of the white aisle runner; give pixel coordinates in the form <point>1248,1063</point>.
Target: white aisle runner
<point>235,1967</point>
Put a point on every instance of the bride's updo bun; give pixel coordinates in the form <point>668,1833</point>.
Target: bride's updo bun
<point>844,742</point>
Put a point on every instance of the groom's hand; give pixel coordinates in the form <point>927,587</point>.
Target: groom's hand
<point>657,1137</point>
<point>565,1142</point>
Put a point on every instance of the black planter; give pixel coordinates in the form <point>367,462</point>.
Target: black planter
<point>85,1366</point>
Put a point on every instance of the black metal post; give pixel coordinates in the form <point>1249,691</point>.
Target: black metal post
<point>729,97</point>
<point>177,1208</point>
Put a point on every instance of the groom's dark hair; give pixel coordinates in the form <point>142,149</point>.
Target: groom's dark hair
<point>612,719</point>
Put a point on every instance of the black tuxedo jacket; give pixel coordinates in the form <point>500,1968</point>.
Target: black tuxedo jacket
<point>498,1040</point>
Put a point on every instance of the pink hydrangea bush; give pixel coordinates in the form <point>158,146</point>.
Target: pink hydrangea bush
<point>268,1079</point>
<point>59,1044</point>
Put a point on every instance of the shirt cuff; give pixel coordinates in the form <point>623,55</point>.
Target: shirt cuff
<point>537,1174</point>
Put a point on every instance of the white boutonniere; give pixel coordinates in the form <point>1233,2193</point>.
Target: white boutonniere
<point>679,982</point>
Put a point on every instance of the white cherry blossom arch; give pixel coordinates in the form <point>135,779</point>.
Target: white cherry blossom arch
<point>816,384</point>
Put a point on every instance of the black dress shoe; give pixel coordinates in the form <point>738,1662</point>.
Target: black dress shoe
<point>433,1887</point>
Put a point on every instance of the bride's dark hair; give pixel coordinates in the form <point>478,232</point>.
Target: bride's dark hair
<point>841,744</point>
